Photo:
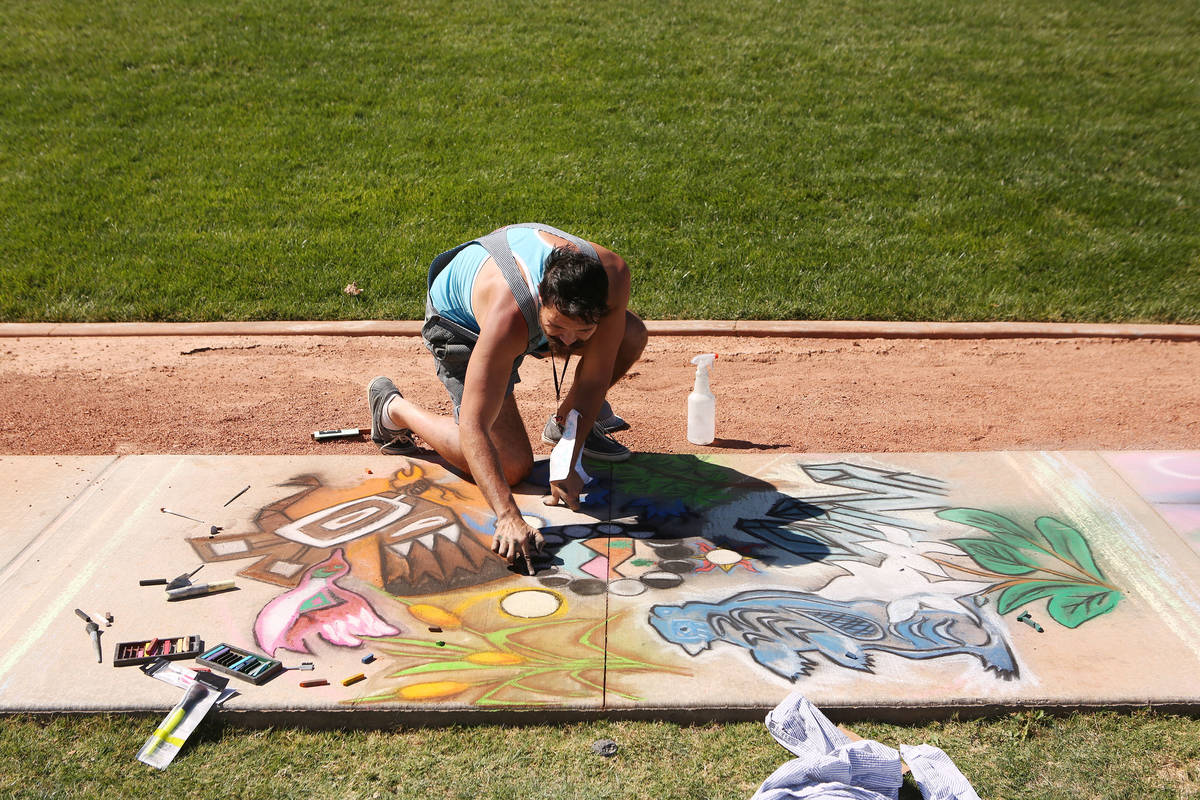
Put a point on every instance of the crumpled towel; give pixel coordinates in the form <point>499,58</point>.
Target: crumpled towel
<point>829,766</point>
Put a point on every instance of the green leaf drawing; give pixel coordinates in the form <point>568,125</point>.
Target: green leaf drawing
<point>1025,592</point>
<point>1066,574</point>
<point>999,557</point>
<point>1075,605</point>
<point>695,481</point>
<point>1070,543</point>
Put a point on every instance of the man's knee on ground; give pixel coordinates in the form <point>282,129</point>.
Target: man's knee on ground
<point>636,335</point>
<point>516,469</point>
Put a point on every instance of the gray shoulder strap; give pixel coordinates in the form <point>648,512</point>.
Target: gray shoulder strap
<point>496,244</point>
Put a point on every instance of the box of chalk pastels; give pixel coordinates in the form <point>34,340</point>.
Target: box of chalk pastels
<point>241,663</point>
<point>171,648</point>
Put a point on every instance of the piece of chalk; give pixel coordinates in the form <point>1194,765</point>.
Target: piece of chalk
<point>310,684</point>
<point>354,679</point>
<point>368,658</point>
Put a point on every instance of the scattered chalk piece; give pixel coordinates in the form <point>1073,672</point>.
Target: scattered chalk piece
<point>441,644</point>
<point>318,682</point>
<point>435,630</point>
<point>1027,618</point>
<point>353,679</point>
<point>368,658</point>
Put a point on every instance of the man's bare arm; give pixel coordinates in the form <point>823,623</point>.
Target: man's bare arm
<point>485,388</point>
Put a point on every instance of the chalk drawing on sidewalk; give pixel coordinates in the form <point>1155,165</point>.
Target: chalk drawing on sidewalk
<point>904,588</point>
<point>620,558</point>
<point>779,627</point>
<point>506,659</point>
<point>807,570</point>
<point>319,607</point>
<point>401,534</point>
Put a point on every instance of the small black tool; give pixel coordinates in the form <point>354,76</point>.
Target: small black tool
<point>184,579</point>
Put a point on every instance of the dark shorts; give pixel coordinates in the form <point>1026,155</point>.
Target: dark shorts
<point>451,345</point>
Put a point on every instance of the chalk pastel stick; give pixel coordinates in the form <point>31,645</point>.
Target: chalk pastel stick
<point>216,651</point>
<point>242,662</point>
<point>199,589</point>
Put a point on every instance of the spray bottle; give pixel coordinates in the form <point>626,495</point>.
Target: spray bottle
<point>702,406</point>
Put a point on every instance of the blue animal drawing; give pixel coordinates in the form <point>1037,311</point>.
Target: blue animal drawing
<point>778,627</point>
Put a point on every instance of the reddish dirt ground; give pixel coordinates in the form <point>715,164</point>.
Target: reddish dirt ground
<point>265,395</point>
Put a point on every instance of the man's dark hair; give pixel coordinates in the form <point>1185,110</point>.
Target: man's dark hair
<point>576,284</point>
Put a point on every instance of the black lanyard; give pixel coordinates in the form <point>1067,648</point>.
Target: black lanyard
<point>554,371</point>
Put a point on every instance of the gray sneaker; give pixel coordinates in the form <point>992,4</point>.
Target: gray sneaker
<point>391,441</point>
<point>598,445</point>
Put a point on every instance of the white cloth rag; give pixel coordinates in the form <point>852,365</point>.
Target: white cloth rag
<point>829,766</point>
<point>560,456</point>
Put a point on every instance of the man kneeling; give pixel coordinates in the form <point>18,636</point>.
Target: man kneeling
<point>521,290</point>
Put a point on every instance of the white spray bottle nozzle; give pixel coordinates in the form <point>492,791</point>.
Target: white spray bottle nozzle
<point>703,363</point>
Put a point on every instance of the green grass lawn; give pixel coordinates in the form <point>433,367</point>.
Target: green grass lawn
<point>1105,755</point>
<point>929,160</point>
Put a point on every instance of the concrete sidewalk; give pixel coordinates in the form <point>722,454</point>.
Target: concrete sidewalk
<point>890,586</point>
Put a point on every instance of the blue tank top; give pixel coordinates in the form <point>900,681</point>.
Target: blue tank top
<point>450,292</point>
